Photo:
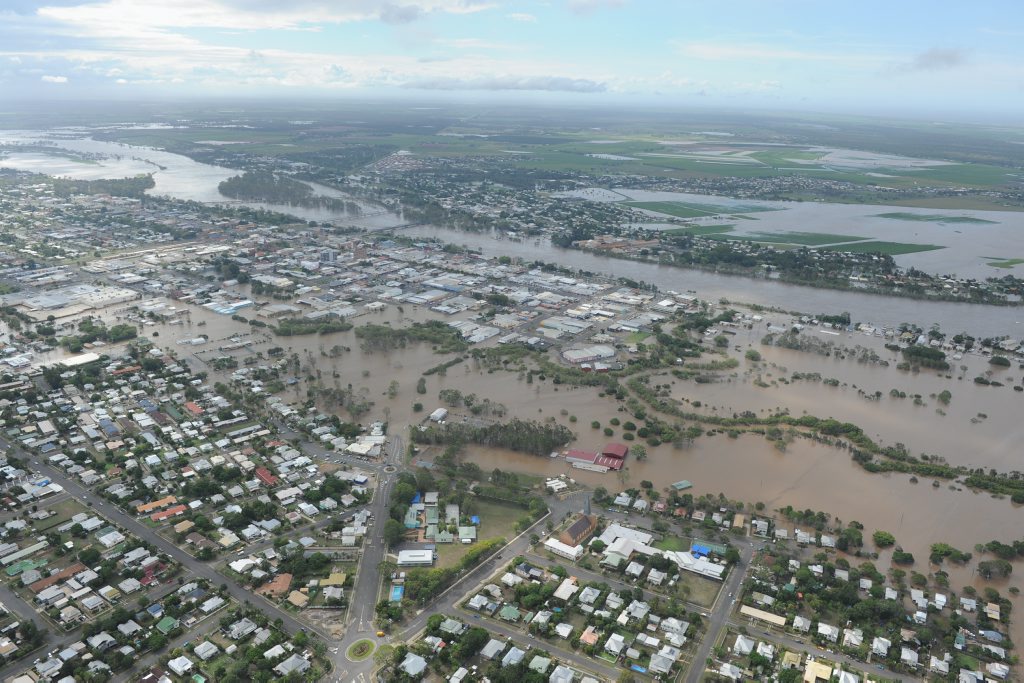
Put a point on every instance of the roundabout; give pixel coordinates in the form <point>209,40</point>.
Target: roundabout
<point>360,650</point>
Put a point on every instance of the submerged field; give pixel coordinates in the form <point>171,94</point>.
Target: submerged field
<point>889,248</point>
<point>931,218</point>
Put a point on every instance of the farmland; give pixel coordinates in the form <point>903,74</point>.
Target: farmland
<point>887,248</point>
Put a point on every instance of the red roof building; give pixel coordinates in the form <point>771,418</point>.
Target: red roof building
<point>266,476</point>
<point>169,512</point>
<point>616,450</point>
<point>193,408</point>
<point>589,460</point>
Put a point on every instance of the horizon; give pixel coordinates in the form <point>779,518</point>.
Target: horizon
<point>963,64</point>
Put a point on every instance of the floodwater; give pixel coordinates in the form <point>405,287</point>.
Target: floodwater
<point>977,319</point>
<point>967,244</point>
<point>748,468</point>
<point>183,178</point>
<point>174,175</point>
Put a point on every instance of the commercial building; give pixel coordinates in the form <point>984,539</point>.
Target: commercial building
<point>569,552</point>
<point>415,558</point>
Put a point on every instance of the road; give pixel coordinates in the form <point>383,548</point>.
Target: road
<point>719,615</point>
<point>363,597</point>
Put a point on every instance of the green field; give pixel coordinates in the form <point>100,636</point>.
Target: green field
<point>806,239</point>
<point>997,262</point>
<point>692,210</point>
<point>673,543</point>
<point>931,218</point>
<point>889,248</point>
<point>496,521</point>
<point>699,230</point>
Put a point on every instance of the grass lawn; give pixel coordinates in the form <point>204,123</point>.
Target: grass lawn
<point>66,509</point>
<point>890,248</point>
<point>673,543</point>
<point>496,521</point>
<point>697,588</point>
<point>637,337</point>
<point>931,217</point>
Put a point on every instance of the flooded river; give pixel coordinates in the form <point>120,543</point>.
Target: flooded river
<point>182,178</point>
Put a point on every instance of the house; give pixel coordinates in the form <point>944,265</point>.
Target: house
<point>802,624</point>
<point>509,613</point>
<point>566,589</point>
<point>743,646</point>
<point>853,637</point>
<point>880,646</point>
<point>828,632</point>
<point>513,657</point>
<point>101,642</point>
<point>240,629</point>
<point>909,657</point>
<point>817,671</point>
<point>492,649</point>
<point>452,627</point>
<point>562,674</point>
<point>413,665</point>
<point>180,665</point>
<point>206,650</point>
<point>299,665</point>
<point>615,644</point>
<point>539,664</point>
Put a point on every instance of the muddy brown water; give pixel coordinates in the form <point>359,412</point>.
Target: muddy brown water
<point>748,468</point>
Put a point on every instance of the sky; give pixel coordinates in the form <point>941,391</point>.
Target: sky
<point>899,56</point>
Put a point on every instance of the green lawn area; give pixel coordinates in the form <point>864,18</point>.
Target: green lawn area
<point>697,589</point>
<point>66,509</point>
<point>496,521</point>
<point>673,543</point>
<point>931,217</point>
<point>890,248</point>
<point>807,239</point>
<point>637,337</point>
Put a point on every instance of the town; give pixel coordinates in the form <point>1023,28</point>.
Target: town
<point>232,451</point>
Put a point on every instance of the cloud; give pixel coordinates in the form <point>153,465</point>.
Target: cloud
<point>937,59</point>
<point>474,44</point>
<point>523,17</point>
<point>399,14</point>
<point>589,6</point>
<point>543,83</point>
<point>54,79</point>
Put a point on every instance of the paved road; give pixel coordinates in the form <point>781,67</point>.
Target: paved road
<point>719,615</point>
<point>363,597</point>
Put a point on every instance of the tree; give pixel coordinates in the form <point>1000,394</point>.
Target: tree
<point>394,532</point>
<point>639,452</point>
<point>752,355</point>
<point>883,539</point>
<point>421,386</point>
